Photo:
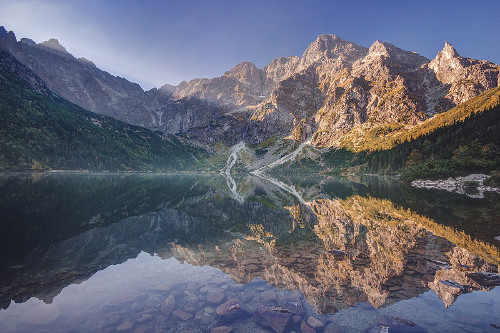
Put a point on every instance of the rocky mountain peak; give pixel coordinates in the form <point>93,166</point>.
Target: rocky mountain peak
<point>448,64</point>
<point>54,45</point>
<point>242,70</point>
<point>86,61</point>
<point>378,48</point>
<point>468,77</point>
<point>7,38</point>
<point>281,68</point>
<point>247,73</point>
<point>27,41</point>
<point>327,47</point>
<point>449,51</point>
<point>384,49</point>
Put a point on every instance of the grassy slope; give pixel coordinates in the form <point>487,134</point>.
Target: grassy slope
<point>44,131</point>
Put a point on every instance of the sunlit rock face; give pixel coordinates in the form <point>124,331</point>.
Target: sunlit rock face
<point>331,96</point>
<point>466,77</point>
<point>332,93</point>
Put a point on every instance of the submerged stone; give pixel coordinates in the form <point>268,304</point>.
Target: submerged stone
<point>315,323</point>
<point>216,297</point>
<point>182,315</point>
<point>230,311</point>
<point>276,318</point>
<point>168,305</point>
<point>221,329</point>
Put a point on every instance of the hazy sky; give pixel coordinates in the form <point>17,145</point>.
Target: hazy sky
<point>156,42</point>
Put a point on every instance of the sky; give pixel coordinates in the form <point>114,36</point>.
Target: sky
<point>153,42</point>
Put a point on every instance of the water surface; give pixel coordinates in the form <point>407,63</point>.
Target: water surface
<point>173,253</point>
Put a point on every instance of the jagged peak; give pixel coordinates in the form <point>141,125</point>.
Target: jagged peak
<point>379,48</point>
<point>449,51</point>
<point>327,42</point>
<point>86,61</point>
<point>241,70</point>
<point>244,65</point>
<point>27,41</point>
<point>385,49</point>
<point>330,37</point>
<point>328,47</point>
<point>9,36</point>
<point>54,45</point>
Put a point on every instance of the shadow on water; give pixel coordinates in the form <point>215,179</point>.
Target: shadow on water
<point>345,248</point>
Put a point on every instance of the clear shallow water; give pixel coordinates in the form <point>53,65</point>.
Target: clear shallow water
<point>146,253</point>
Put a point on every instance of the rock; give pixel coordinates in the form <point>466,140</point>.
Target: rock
<point>276,318</point>
<point>216,297</point>
<point>333,328</point>
<point>485,279</point>
<point>145,317</point>
<point>191,286</point>
<point>125,327</point>
<point>189,309</point>
<point>144,329</point>
<point>396,324</point>
<point>42,314</point>
<point>230,311</point>
<point>304,328</point>
<point>292,303</point>
<point>182,315</point>
<point>112,320</point>
<point>221,329</point>
<point>315,323</point>
<point>267,296</point>
<point>247,296</point>
<point>296,319</point>
<point>168,305</point>
<point>203,290</point>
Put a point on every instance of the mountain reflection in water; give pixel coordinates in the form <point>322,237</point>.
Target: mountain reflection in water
<point>75,254</point>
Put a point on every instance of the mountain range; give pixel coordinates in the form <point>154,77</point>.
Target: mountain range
<point>335,96</point>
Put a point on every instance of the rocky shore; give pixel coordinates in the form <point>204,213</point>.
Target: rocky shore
<point>471,185</point>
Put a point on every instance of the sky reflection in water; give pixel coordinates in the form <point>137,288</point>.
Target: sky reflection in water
<point>119,246</point>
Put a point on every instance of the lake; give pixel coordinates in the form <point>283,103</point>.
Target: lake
<point>201,253</point>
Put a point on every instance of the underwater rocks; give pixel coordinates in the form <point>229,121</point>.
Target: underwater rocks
<point>230,311</point>
<point>168,305</point>
<point>391,323</point>
<point>275,318</point>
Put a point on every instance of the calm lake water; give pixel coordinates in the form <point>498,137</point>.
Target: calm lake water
<point>178,253</point>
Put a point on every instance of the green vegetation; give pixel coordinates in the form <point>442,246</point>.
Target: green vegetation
<point>390,135</point>
<point>461,141</point>
<point>43,131</point>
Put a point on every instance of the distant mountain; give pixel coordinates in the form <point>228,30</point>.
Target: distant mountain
<point>40,130</point>
<point>338,88</point>
<point>335,95</point>
<point>82,83</point>
<point>387,85</point>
